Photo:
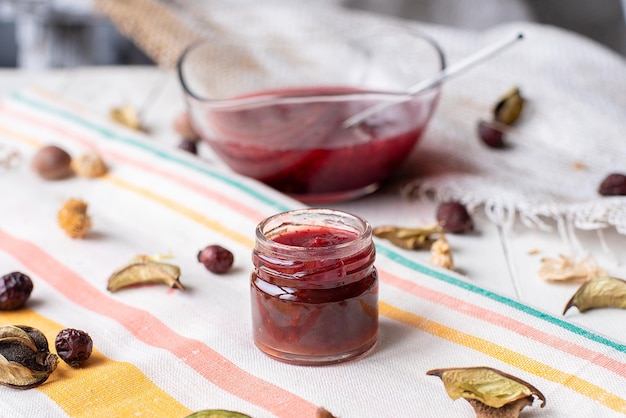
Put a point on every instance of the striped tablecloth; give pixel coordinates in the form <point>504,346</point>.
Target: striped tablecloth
<point>160,352</point>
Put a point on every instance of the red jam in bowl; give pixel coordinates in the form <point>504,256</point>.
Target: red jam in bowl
<point>314,293</point>
<point>302,149</point>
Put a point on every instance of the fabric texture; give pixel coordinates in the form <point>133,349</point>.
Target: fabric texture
<point>161,352</point>
<point>569,137</point>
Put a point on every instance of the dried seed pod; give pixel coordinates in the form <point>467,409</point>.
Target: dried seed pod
<point>217,413</point>
<point>73,218</point>
<point>509,107</point>
<point>408,238</point>
<point>89,164</point>
<point>52,163</point>
<point>599,292</point>
<point>144,269</point>
<point>491,393</point>
<point>25,360</point>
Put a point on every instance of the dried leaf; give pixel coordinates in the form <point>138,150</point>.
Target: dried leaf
<point>509,107</point>
<point>442,253</point>
<point>126,115</point>
<point>217,413</point>
<point>565,268</point>
<point>490,387</point>
<point>599,292</point>
<point>144,269</point>
<point>408,238</point>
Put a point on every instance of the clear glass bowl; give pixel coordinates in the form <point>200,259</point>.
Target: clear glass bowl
<point>274,108</point>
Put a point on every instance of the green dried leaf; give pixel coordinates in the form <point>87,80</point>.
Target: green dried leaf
<point>599,292</point>
<point>408,238</point>
<point>486,385</point>
<point>509,107</point>
<point>217,413</point>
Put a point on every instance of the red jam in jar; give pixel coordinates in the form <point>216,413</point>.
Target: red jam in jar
<point>314,289</point>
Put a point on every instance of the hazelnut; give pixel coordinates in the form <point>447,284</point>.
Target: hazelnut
<point>52,163</point>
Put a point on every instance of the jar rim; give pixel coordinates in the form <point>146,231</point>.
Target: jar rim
<point>339,219</point>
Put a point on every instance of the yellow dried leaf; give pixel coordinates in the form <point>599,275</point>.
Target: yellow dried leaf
<point>509,107</point>
<point>599,292</point>
<point>126,115</point>
<point>565,268</point>
<point>144,269</point>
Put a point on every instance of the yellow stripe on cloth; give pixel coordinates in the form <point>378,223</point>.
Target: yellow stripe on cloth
<point>102,387</point>
<point>506,355</point>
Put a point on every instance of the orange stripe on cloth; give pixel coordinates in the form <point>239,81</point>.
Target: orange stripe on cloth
<point>214,367</point>
<point>508,356</point>
<point>102,387</point>
<point>503,321</point>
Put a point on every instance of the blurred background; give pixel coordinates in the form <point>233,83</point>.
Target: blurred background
<point>36,34</point>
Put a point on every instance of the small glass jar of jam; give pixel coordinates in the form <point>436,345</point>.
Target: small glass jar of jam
<point>314,288</point>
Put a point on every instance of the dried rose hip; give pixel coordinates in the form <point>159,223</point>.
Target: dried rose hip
<point>73,346</point>
<point>15,289</point>
<point>491,135</point>
<point>216,259</point>
<point>613,185</point>
<point>454,218</point>
<point>188,145</point>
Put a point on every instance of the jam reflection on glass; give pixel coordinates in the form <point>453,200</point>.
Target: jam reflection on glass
<point>320,310</point>
<point>302,149</point>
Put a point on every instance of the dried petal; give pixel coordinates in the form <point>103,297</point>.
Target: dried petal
<point>217,413</point>
<point>25,361</point>
<point>599,292</point>
<point>565,268</point>
<point>509,107</point>
<point>489,387</point>
<point>144,269</point>
<point>73,218</point>
<point>408,238</point>
<point>442,253</point>
<point>126,115</point>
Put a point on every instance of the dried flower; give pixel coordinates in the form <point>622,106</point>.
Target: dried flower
<point>442,253</point>
<point>408,238</point>
<point>143,269</point>
<point>565,268</point>
<point>73,218</point>
<point>491,393</point>
<point>25,359</point>
<point>509,107</point>
<point>599,292</point>
<point>89,165</point>
<point>8,158</point>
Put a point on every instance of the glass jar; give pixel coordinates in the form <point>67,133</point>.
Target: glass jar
<point>314,289</point>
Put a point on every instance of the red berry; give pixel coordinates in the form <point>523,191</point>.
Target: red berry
<point>73,346</point>
<point>189,146</point>
<point>15,289</point>
<point>490,135</point>
<point>454,218</point>
<point>216,259</point>
<point>613,185</point>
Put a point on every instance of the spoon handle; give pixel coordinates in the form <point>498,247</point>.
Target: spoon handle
<point>435,80</point>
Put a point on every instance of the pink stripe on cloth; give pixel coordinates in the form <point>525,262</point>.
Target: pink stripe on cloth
<point>116,156</point>
<point>503,321</point>
<point>150,330</point>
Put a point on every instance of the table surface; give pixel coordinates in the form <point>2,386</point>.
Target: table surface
<point>505,261</point>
